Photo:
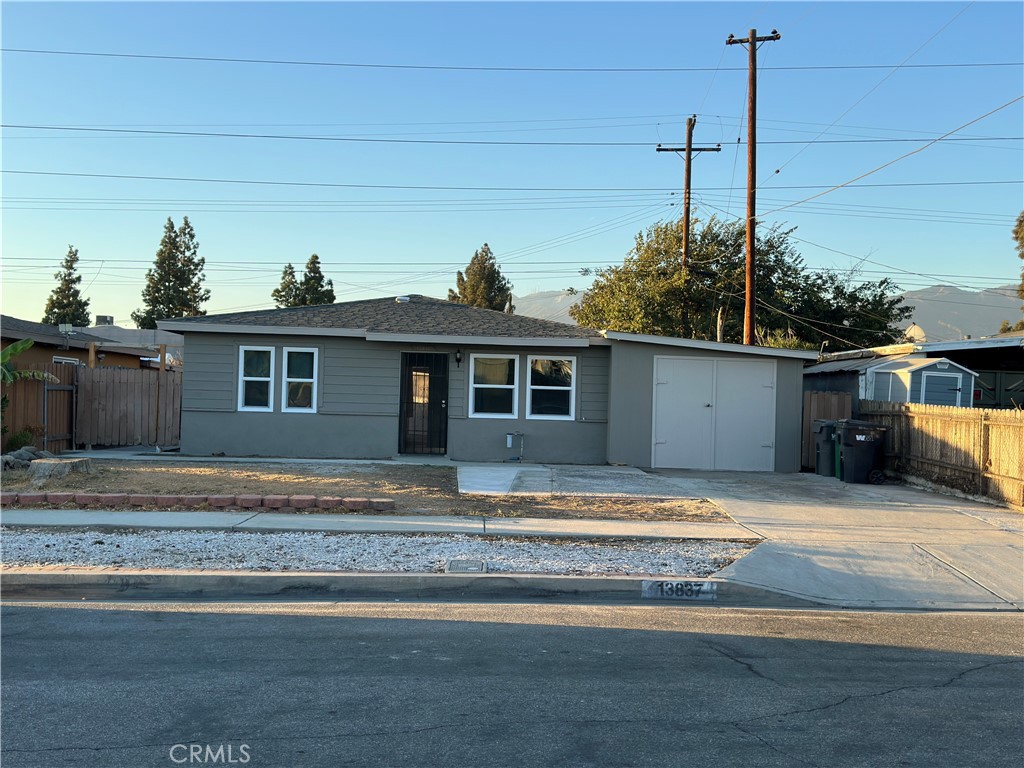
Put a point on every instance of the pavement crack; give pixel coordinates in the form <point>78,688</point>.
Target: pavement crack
<point>750,667</point>
<point>772,747</point>
<point>877,694</point>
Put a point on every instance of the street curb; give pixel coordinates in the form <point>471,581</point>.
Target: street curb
<point>91,584</point>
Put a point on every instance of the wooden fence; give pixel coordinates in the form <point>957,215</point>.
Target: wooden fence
<point>975,450</point>
<point>122,406</point>
<point>820,405</point>
<point>97,407</point>
<point>44,408</point>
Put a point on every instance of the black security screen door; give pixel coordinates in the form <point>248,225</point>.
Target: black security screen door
<point>423,416</point>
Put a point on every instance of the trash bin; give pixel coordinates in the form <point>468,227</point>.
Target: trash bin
<point>860,451</point>
<point>824,447</point>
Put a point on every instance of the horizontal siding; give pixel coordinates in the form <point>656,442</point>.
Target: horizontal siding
<point>458,406</point>
<point>593,392</point>
<point>208,381</point>
<point>360,377</point>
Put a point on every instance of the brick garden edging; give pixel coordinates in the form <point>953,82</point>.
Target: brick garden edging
<point>249,502</point>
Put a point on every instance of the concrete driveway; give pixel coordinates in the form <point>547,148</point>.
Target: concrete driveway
<point>869,546</point>
<point>857,546</point>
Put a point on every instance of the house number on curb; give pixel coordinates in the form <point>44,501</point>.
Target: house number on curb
<point>679,590</point>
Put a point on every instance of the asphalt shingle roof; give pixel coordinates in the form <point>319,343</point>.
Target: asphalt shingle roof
<point>420,315</point>
<point>15,328</point>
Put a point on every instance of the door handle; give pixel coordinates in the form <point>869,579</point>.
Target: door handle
<point>707,405</point>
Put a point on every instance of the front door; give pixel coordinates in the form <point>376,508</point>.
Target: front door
<point>423,416</point>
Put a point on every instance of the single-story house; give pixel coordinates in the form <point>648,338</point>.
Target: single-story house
<point>417,375</point>
<point>53,347</point>
<point>986,372</point>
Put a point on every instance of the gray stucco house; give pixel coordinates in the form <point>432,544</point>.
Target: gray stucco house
<point>416,375</point>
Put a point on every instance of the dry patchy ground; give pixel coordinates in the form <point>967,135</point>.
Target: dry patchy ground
<point>416,489</point>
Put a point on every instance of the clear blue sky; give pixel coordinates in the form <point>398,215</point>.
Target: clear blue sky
<point>415,212</point>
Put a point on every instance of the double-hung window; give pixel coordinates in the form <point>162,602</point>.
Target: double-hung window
<point>493,386</point>
<point>256,378</point>
<point>298,395</point>
<point>551,390</point>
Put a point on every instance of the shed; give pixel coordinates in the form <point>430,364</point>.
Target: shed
<point>930,381</point>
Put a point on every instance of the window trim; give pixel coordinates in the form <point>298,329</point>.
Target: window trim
<point>59,360</point>
<point>514,386</point>
<point>242,378</point>
<point>285,380</point>
<point>530,388</point>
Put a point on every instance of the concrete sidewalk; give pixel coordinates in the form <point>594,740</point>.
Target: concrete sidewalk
<point>824,541</point>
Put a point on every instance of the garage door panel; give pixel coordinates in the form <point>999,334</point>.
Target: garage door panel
<point>682,422</point>
<point>714,414</point>
<point>745,415</point>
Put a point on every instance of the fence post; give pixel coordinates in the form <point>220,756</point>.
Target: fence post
<point>982,453</point>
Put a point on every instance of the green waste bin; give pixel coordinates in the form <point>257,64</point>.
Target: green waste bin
<point>860,445</point>
<point>824,447</point>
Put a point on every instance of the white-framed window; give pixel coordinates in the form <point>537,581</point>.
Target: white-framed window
<point>58,360</point>
<point>298,393</point>
<point>494,380</point>
<point>551,388</point>
<point>255,378</point>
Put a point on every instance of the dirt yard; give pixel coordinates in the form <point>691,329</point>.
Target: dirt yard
<point>416,489</point>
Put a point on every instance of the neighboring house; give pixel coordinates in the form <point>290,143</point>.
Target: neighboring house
<point>985,373</point>
<point>416,375</point>
<point>51,346</point>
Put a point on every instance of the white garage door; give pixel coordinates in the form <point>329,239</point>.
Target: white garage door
<point>714,414</point>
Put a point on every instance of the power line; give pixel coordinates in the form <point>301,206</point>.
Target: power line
<point>452,68</point>
<point>901,157</point>
<point>336,185</point>
<point>461,142</point>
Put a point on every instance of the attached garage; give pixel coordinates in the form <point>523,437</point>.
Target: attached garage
<point>712,413</point>
<point>686,404</point>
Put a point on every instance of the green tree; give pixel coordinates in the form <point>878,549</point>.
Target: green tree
<point>286,294</point>
<point>313,289</point>
<point>483,285</point>
<point>174,286</point>
<point>66,304</point>
<point>1018,236</point>
<point>652,293</point>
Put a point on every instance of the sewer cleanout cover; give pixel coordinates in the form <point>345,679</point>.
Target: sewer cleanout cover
<point>465,566</point>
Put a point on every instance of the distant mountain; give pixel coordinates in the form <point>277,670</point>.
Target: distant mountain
<point>947,313</point>
<point>546,305</point>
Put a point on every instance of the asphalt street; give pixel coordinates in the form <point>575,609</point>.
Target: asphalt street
<point>133,685</point>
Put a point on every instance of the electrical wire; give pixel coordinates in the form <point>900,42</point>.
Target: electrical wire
<point>356,65</point>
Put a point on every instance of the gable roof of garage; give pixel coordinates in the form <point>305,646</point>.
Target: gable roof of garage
<point>712,346</point>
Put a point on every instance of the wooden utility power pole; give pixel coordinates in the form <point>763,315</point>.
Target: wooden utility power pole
<point>751,292</point>
<point>690,123</point>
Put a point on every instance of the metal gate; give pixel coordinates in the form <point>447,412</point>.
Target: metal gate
<point>423,417</point>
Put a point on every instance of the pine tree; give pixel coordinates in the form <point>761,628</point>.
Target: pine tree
<point>174,286</point>
<point>314,289</point>
<point>286,294</point>
<point>66,304</point>
<point>483,285</point>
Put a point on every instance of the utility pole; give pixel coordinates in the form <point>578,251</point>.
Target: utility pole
<point>690,123</point>
<point>751,294</point>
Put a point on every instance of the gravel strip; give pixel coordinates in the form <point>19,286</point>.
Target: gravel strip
<point>359,552</point>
